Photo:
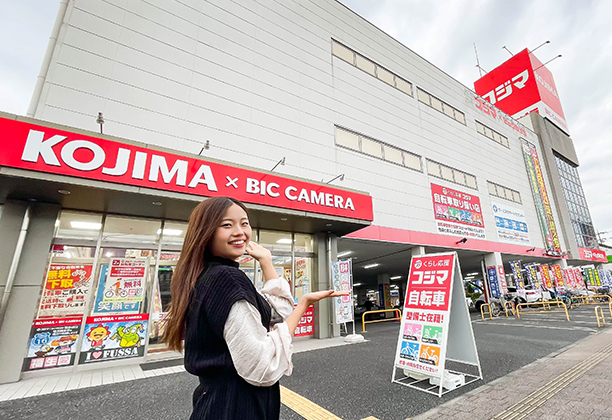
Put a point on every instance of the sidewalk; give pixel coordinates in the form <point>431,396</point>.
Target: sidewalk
<point>576,382</point>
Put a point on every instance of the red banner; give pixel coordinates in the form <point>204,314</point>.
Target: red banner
<point>545,273</point>
<point>429,283</point>
<point>592,255</point>
<point>44,149</point>
<point>306,324</point>
<point>557,276</point>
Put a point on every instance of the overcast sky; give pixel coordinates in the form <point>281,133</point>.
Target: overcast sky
<point>443,32</point>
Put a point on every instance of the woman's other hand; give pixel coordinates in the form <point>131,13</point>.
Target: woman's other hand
<point>310,298</point>
<point>258,252</point>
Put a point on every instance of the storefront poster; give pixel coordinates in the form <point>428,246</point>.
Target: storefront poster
<point>113,337</point>
<point>557,276</point>
<point>101,306</point>
<point>342,278</point>
<point>305,326</point>
<point>126,280</point>
<point>545,275</point>
<point>511,224</point>
<point>457,213</point>
<point>52,343</point>
<point>532,275</point>
<point>493,281</point>
<point>66,289</point>
<point>540,196</point>
<point>421,347</point>
<point>517,275</point>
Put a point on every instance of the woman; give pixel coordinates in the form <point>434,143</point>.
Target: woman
<point>237,341</point>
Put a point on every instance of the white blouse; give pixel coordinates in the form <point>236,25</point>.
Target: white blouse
<point>260,357</point>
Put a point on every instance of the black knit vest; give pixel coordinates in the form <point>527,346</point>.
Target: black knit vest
<point>219,286</point>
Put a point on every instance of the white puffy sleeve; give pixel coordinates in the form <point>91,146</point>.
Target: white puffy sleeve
<point>260,357</point>
<point>278,294</point>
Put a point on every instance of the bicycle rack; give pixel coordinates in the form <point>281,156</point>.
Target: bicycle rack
<point>482,310</point>
<point>513,311</point>
<point>597,315</point>
<point>520,305</point>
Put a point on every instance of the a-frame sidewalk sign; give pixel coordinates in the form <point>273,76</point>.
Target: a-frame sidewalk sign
<point>435,328</point>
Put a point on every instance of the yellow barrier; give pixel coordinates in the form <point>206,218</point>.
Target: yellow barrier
<point>610,309</point>
<point>482,310</point>
<point>363,321</point>
<point>543,304</point>
<point>590,299</point>
<point>511,308</point>
<point>597,315</point>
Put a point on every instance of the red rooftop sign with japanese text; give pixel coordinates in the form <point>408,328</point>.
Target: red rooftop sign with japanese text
<point>457,213</point>
<point>43,149</point>
<point>522,85</point>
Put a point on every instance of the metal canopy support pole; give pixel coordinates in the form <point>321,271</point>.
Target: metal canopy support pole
<point>14,264</point>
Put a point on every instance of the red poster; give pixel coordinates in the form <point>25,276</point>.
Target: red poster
<point>457,213</point>
<point>545,273</point>
<point>44,149</point>
<point>557,276</point>
<point>502,278</point>
<point>592,255</point>
<point>429,283</point>
<point>66,289</point>
<point>306,324</point>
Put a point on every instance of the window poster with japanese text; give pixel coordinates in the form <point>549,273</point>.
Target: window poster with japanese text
<point>52,343</point>
<point>112,337</point>
<point>425,319</point>
<point>457,213</point>
<point>126,280</point>
<point>342,279</point>
<point>65,290</point>
<point>117,306</point>
<point>305,326</point>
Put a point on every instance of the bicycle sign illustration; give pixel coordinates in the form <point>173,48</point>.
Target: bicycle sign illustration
<point>430,355</point>
<point>432,335</point>
<point>409,351</point>
<point>412,332</point>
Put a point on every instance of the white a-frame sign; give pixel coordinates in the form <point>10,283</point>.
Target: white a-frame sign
<point>435,328</point>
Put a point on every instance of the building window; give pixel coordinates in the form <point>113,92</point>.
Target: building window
<point>576,204</point>
<point>370,67</point>
<point>504,192</point>
<point>372,147</point>
<point>440,106</point>
<point>493,135</point>
<point>451,174</point>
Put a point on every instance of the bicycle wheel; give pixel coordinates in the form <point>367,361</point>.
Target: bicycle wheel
<point>496,308</point>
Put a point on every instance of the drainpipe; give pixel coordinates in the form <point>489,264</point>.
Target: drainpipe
<point>42,76</point>
<point>14,264</point>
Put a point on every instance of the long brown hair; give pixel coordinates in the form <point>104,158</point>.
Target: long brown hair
<point>203,222</point>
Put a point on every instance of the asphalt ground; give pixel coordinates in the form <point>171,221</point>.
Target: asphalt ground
<point>353,382</point>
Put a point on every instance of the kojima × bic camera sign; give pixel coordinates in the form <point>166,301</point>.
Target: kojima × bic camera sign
<point>43,149</point>
<point>522,85</point>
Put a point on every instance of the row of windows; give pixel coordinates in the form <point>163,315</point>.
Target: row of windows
<point>440,106</point>
<point>492,134</point>
<point>377,149</point>
<point>451,174</point>
<point>370,67</point>
<point>504,192</point>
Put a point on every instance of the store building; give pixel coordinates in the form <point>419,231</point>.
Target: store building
<point>201,99</point>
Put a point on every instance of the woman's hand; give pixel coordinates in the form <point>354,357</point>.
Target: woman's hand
<point>310,298</point>
<point>258,252</point>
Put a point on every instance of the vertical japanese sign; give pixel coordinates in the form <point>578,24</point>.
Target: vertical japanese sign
<point>422,341</point>
<point>342,277</point>
<point>502,279</point>
<point>532,275</point>
<point>545,275</point>
<point>126,280</point>
<point>517,275</point>
<point>493,281</point>
<point>511,224</point>
<point>590,277</point>
<point>52,343</point>
<point>606,278</point>
<point>558,276</point>
<point>457,213</point>
<point>306,324</point>
<point>540,197</point>
<point>65,291</point>
<point>113,337</point>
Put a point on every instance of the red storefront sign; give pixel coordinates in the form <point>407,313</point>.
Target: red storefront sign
<point>521,85</point>
<point>306,324</point>
<point>592,255</point>
<point>429,283</point>
<point>457,213</point>
<point>43,149</point>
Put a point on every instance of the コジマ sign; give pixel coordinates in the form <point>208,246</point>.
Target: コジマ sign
<point>45,149</point>
<point>422,346</point>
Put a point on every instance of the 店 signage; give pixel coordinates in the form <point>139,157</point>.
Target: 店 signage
<point>592,255</point>
<point>44,149</point>
<point>457,213</point>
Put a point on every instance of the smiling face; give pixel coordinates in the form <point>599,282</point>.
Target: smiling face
<point>232,235</point>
